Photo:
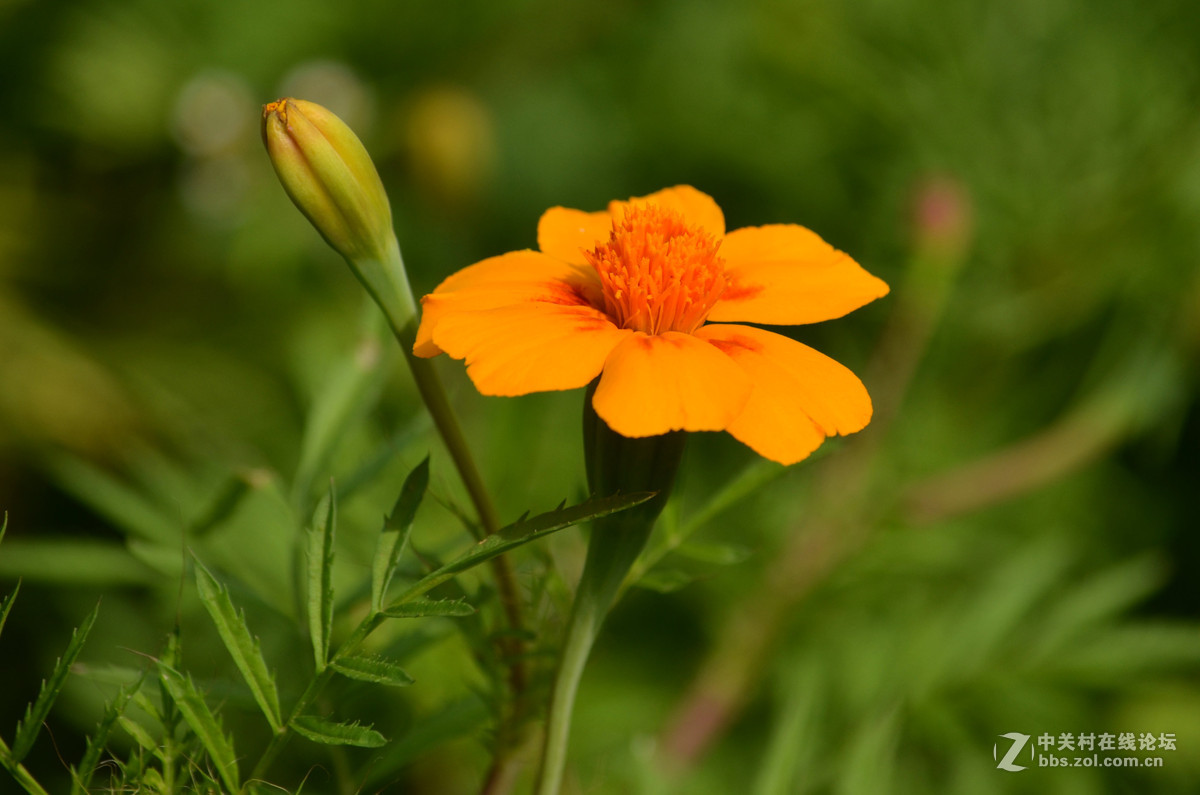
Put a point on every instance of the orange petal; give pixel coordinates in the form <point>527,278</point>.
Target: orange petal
<point>534,345</point>
<point>658,383</point>
<point>785,274</point>
<point>565,234</point>
<point>696,206</point>
<point>800,396</point>
<point>498,281</point>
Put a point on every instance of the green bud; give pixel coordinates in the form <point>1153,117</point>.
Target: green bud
<point>328,174</point>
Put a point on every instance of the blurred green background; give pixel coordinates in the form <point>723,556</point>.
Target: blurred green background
<point>1010,547</point>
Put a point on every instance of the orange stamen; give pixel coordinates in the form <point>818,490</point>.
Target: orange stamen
<point>659,273</point>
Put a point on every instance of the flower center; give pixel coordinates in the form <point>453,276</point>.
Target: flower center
<point>659,273</point>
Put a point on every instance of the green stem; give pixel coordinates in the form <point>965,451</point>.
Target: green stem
<point>387,283</point>
<point>614,464</point>
<point>614,546</point>
<point>18,772</point>
<point>310,694</point>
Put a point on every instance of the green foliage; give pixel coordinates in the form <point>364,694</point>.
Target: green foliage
<point>396,529</point>
<point>242,646</point>
<point>39,709</point>
<point>320,577</point>
<point>329,733</point>
<point>372,669</point>
<point>201,720</point>
<point>1007,547</point>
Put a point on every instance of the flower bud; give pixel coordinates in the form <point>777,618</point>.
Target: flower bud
<point>328,174</point>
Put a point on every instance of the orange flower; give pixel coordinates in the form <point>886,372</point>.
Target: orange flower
<point>630,294</point>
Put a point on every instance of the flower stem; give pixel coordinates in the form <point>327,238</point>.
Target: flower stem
<point>613,547</point>
<point>386,281</point>
<point>614,464</point>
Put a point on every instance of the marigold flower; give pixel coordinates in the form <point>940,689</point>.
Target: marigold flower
<point>642,295</point>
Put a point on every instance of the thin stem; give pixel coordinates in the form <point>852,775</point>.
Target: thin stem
<point>387,283</point>
<point>581,634</point>
<point>615,543</point>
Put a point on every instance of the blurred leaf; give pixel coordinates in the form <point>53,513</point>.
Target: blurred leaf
<point>519,533</point>
<point>322,731</point>
<point>167,560</point>
<point>1126,653</point>
<point>868,764</point>
<point>346,394</point>
<point>457,719</point>
<point>7,604</point>
<point>795,734</point>
<point>202,721</point>
<point>417,608</point>
<point>320,577</point>
<point>1102,596</point>
<point>714,553</point>
<point>242,646</point>
<point>665,580</point>
<point>112,499</point>
<point>74,561</point>
<point>757,474</point>
<point>396,529</point>
<point>35,713</point>
<point>371,669</point>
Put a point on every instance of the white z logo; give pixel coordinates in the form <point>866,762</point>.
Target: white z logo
<point>1018,743</point>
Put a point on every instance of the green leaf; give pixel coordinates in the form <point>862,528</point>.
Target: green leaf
<point>7,604</point>
<point>320,730</point>
<point>396,529</point>
<point>81,775</point>
<point>320,577</point>
<point>35,713</point>
<point>114,500</point>
<point>346,393</point>
<point>519,533</point>
<point>714,554</point>
<point>3,527</point>
<point>372,669</point>
<point>75,561</point>
<point>242,646</point>
<point>665,580</point>
<point>201,721</point>
<point>139,734</point>
<point>430,607</point>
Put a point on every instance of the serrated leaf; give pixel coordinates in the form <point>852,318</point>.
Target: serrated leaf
<point>202,722</point>
<point>6,606</point>
<point>396,529</point>
<point>35,713</point>
<point>320,577</point>
<point>81,775</point>
<point>417,608</point>
<point>22,776</point>
<point>372,669</point>
<point>519,533</point>
<point>138,733</point>
<point>320,730</point>
<point>242,646</point>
